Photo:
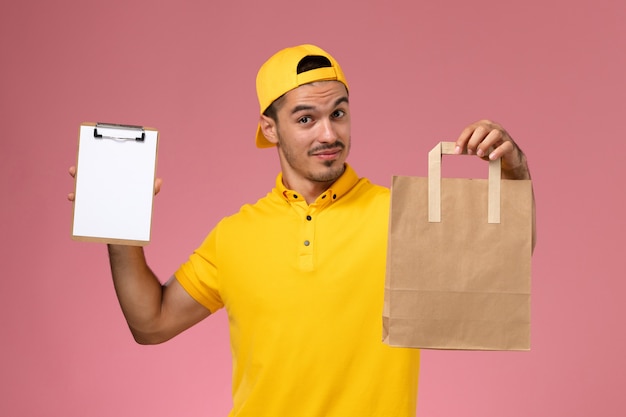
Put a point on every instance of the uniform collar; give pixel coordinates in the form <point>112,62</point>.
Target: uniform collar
<point>338,189</point>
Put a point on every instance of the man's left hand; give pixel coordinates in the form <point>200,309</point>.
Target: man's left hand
<point>489,140</point>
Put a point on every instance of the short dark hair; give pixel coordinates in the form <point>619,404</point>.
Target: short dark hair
<point>307,63</point>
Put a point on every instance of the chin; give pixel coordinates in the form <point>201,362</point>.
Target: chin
<point>333,171</point>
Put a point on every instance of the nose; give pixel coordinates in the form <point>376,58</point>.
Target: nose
<point>328,133</point>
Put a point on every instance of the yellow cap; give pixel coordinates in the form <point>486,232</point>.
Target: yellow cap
<point>279,74</point>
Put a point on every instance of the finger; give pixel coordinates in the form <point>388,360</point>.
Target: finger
<point>157,185</point>
<point>505,150</point>
<point>478,136</point>
<point>72,171</point>
<point>473,135</point>
<point>494,138</point>
<point>461,142</point>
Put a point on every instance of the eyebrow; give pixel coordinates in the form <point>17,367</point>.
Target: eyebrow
<point>303,107</point>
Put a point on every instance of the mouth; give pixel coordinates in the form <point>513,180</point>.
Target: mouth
<point>325,155</point>
<point>328,151</point>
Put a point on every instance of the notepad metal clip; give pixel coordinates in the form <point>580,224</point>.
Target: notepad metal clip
<point>119,132</point>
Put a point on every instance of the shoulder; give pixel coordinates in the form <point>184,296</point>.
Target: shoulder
<point>365,190</point>
<point>269,206</point>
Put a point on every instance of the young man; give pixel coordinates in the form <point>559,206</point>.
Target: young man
<point>300,272</point>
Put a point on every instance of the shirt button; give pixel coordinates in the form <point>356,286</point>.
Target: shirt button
<point>307,243</point>
<point>308,218</point>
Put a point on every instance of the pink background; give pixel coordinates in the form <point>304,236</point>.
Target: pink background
<point>551,71</point>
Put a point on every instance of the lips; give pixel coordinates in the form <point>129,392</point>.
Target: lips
<point>328,151</point>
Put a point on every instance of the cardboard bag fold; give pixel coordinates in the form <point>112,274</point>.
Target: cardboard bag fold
<point>458,261</point>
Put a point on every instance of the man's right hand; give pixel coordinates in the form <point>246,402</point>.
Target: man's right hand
<point>154,312</point>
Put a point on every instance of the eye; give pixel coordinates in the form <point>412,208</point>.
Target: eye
<point>338,113</point>
<point>304,119</point>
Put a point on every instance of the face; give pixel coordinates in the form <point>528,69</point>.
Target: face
<point>312,134</point>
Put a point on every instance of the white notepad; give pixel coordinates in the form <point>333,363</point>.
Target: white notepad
<point>115,184</point>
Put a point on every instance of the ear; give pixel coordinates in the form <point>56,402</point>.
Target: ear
<point>268,127</point>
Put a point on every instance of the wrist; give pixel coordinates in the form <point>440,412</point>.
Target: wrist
<point>519,172</point>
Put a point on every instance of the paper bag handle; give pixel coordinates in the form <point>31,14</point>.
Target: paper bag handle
<point>434,184</point>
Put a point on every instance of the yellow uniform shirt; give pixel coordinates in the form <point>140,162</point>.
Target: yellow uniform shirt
<point>303,289</point>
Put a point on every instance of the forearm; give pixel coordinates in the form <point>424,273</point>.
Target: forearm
<point>139,291</point>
